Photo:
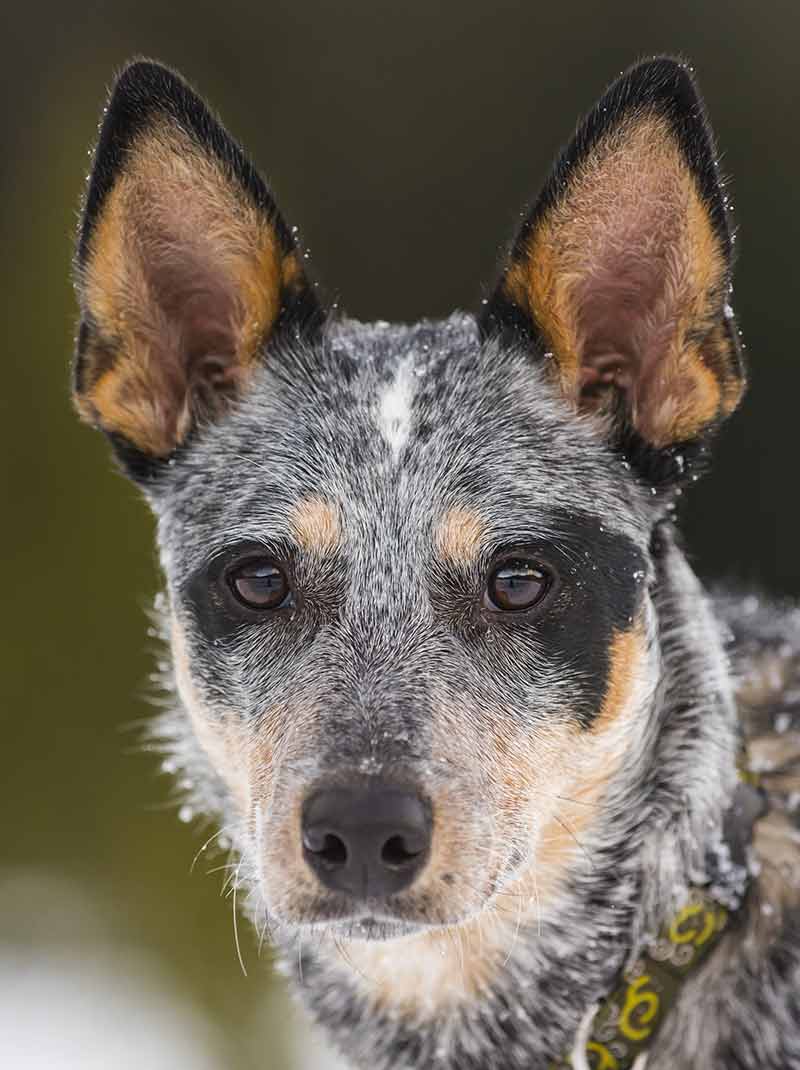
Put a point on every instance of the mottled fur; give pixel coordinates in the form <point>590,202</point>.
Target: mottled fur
<point>578,761</point>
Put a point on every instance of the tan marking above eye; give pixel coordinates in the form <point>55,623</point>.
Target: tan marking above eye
<point>459,534</point>
<point>315,524</point>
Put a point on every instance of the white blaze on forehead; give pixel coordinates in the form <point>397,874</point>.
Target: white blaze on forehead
<point>394,414</point>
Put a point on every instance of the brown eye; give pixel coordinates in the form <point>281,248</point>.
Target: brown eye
<point>259,584</point>
<point>516,585</point>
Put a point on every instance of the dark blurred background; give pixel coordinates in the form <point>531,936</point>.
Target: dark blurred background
<point>403,139</point>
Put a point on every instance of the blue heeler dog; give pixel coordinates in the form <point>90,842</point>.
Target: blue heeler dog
<point>505,786</point>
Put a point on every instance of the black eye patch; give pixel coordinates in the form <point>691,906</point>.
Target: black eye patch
<point>239,587</point>
<point>562,602</point>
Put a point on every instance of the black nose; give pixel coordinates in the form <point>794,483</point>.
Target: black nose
<point>367,841</point>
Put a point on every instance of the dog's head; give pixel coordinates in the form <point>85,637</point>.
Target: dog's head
<point>408,568</point>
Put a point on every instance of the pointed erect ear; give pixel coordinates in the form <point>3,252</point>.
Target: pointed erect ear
<point>184,269</point>
<point>622,270</point>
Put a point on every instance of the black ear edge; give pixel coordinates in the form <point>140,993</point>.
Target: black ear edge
<point>664,86</point>
<point>661,85</point>
<point>143,89</point>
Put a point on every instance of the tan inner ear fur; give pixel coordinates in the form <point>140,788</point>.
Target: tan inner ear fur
<point>175,236</point>
<point>633,229</point>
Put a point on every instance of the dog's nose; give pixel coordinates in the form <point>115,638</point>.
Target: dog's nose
<point>368,841</point>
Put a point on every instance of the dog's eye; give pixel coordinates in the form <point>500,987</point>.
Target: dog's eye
<point>259,584</point>
<point>517,584</point>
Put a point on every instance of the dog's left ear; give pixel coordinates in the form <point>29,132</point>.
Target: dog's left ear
<point>186,270</point>
<point>621,273</point>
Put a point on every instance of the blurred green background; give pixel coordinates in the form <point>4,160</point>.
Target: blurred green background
<point>403,139</point>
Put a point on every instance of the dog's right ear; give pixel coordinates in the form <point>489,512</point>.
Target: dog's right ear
<point>185,270</point>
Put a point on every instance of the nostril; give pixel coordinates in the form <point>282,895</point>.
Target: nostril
<point>397,852</point>
<point>331,850</point>
<point>366,840</point>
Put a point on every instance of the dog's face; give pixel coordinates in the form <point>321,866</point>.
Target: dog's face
<point>386,567</point>
<point>408,568</point>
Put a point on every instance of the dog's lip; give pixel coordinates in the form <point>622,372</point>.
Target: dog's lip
<point>371,927</point>
<point>337,914</point>
<point>371,915</point>
<point>372,922</point>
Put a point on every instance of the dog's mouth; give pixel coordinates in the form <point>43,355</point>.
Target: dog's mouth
<point>387,918</point>
<point>372,929</point>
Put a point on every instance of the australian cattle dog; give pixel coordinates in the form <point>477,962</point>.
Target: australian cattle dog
<point>504,785</point>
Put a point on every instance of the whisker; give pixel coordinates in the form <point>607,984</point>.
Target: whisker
<point>583,848</point>
<point>567,799</point>
<point>516,933</point>
<point>220,832</point>
<point>251,460</point>
<point>348,961</point>
<point>262,907</point>
<point>460,948</point>
<point>538,910</point>
<point>222,868</point>
<point>236,924</point>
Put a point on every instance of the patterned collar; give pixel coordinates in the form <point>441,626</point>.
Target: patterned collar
<point>617,1033</point>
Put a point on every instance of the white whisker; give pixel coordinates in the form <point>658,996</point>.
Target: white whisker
<point>235,923</point>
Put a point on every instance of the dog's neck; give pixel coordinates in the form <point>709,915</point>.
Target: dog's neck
<point>511,986</point>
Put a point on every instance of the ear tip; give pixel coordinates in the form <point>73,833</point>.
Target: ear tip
<point>664,84</point>
<point>143,68</point>
<point>142,89</point>
<point>144,83</point>
<point>663,71</point>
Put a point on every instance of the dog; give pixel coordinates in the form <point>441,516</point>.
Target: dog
<point>504,784</point>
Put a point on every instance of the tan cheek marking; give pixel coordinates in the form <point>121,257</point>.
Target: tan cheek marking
<point>571,798</point>
<point>290,887</point>
<point>597,754</point>
<point>525,773</point>
<point>315,525</point>
<point>459,534</point>
<point>442,969</point>
<point>224,741</point>
<point>437,971</point>
<point>626,654</point>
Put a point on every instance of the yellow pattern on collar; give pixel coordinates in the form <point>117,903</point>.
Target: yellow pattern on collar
<point>625,1024</point>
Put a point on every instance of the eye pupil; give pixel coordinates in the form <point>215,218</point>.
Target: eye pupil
<point>517,585</point>
<point>260,585</point>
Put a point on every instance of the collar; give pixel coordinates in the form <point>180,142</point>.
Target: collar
<point>618,1032</point>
